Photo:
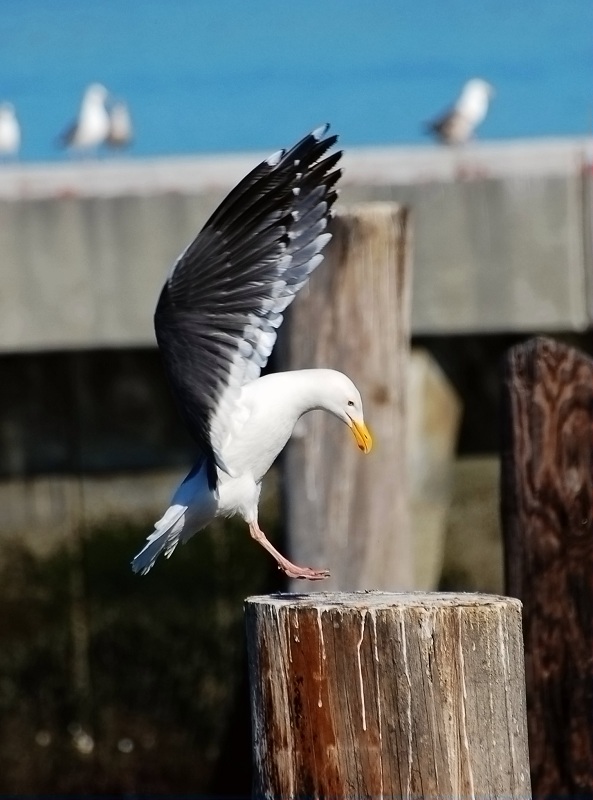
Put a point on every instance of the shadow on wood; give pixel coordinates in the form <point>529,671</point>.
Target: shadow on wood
<point>372,694</point>
<point>547,517</point>
<point>343,511</point>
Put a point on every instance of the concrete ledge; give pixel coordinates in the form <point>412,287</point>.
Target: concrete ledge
<point>502,238</point>
<point>376,166</point>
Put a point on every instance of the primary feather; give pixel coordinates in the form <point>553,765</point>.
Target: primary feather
<point>217,315</point>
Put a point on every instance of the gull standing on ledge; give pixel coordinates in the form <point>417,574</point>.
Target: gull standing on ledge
<point>92,126</point>
<point>457,125</point>
<point>10,131</point>
<point>216,323</point>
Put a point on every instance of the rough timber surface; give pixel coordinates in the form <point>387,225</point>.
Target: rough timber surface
<point>547,504</point>
<point>347,512</point>
<point>384,695</point>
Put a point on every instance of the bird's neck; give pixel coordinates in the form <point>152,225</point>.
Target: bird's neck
<point>303,389</point>
<point>92,106</point>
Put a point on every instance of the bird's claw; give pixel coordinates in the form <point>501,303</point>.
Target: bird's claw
<point>304,573</point>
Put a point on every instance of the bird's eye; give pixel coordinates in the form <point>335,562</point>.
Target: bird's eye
<point>350,402</point>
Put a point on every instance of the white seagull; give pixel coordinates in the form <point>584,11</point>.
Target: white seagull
<point>121,131</point>
<point>216,322</point>
<point>457,125</point>
<point>10,131</point>
<point>92,126</point>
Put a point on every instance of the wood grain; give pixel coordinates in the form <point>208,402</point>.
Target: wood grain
<point>547,516</point>
<point>381,695</point>
<point>345,511</point>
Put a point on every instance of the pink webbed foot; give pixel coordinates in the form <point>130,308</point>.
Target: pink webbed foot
<point>304,573</point>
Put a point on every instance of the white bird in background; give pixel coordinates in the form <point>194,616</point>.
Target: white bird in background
<point>216,323</point>
<point>121,131</point>
<point>10,132</point>
<point>92,126</point>
<point>457,125</point>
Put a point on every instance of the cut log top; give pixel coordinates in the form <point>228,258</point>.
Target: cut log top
<point>376,600</point>
<point>381,694</point>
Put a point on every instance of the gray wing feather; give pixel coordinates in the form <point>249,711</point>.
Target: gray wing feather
<point>222,303</point>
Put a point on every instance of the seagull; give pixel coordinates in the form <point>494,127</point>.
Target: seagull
<point>216,322</point>
<point>92,126</point>
<point>120,126</point>
<point>457,125</point>
<point>10,131</point>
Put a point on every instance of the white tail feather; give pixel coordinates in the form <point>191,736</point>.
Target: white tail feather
<point>193,506</point>
<point>165,537</point>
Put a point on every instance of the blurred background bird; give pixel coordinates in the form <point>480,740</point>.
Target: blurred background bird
<point>458,124</point>
<point>10,132</point>
<point>91,128</point>
<point>121,129</point>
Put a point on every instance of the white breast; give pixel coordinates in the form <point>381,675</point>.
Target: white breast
<point>268,415</point>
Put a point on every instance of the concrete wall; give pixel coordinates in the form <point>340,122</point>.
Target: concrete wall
<point>502,238</point>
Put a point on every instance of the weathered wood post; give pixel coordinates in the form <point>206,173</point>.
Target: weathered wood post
<point>547,520</point>
<point>344,511</point>
<point>374,694</point>
<point>433,418</point>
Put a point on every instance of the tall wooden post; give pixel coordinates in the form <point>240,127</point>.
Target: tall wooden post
<point>547,520</point>
<point>372,694</point>
<point>345,511</point>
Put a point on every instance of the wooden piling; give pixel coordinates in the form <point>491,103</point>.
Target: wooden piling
<point>547,521</point>
<point>343,511</point>
<point>433,418</point>
<point>373,694</point>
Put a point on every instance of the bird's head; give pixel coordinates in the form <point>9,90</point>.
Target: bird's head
<point>342,399</point>
<point>474,101</point>
<point>96,93</point>
<point>477,87</point>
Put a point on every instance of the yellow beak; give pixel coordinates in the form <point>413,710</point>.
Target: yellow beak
<point>362,436</point>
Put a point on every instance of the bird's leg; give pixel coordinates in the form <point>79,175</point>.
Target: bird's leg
<point>292,570</point>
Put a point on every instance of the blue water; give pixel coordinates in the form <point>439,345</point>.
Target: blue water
<point>224,75</point>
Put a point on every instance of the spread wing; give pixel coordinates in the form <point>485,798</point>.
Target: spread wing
<point>222,303</point>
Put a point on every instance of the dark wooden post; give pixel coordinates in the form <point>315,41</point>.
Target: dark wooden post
<point>380,695</point>
<point>345,511</point>
<point>547,518</point>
